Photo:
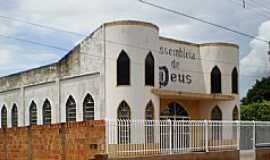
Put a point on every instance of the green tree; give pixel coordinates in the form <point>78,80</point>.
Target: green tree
<point>259,111</point>
<point>259,92</point>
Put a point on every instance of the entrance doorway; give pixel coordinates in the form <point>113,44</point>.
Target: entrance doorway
<point>174,111</point>
<point>177,132</point>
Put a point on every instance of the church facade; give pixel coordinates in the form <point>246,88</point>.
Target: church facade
<point>126,70</point>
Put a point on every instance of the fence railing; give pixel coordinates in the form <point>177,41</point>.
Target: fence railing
<point>143,137</point>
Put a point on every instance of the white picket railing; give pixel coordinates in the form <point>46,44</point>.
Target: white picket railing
<point>127,138</point>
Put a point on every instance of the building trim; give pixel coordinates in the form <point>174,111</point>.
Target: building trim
<point>168,94</point>
<point>132,22</point>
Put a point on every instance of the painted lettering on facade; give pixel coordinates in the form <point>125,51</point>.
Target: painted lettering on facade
<point>173,75</point>
<point>178,52</point>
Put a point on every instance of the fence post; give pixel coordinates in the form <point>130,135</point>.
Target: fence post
<point>107,132</point>
<point>206,135</point>
<point>170,136</point>
<point>254,135</point>
<point>238,134</point>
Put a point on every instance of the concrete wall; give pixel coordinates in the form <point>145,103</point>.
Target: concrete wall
<point>57,92</point>
<point>137,39</point>
<point>91,68</point>
<point>80,72</point>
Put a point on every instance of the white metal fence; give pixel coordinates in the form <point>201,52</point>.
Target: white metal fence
<point>128,138</point>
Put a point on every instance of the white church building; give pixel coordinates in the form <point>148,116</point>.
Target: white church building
<point>126,70</point>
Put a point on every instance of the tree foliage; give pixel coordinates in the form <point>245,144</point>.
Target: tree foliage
<point>259,111</point>
<point>259,92</point>
<point>256,105</point>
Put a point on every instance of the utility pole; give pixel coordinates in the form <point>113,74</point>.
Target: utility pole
<point>244,3</point>
<point>269,50</point>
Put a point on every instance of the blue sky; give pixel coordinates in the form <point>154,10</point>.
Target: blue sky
<point>84,16</point>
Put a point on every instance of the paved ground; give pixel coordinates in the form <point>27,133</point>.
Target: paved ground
<point>247,155</point>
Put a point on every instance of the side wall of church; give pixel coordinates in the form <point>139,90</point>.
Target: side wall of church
<point>79,73</point>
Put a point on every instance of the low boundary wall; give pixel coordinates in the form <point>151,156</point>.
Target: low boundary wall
<point>67,141</point>
<point>220,155</point>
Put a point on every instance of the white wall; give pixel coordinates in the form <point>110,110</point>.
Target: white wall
<point>137,95</point>
<point>137,40</point>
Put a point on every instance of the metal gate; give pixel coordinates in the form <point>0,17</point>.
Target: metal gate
<point>247,141</point>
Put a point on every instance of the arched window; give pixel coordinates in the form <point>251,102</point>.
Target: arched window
<point>149,70</point>
<point>149,125</point>
<point>216,126</point>
<point>123,69</point>
<point>235,114</point>
<point>235,81</point>
<point>33,113</point>
<point>14,116</point>
<point>149,111</point>
<point>123,111</point>
<point>47,112</point>
<point>123,114</point>
<point>215,80</point>
<point>88,108</point>
<point>70,110</point>
<point>216,114</point>
<point>4,117</point>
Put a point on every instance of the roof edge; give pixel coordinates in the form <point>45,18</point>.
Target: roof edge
<point>131,22</point>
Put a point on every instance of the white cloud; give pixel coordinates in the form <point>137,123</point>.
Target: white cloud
<point>257,61</point>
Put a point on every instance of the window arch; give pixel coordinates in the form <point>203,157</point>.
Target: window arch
<point>235,114</point>
<point>174,111</point>
<point>216,80</point>
<point>216,114</point>
<point>149,128</point>
<point>4,117</point>
<point>235,81</point>
<point>88,108</point>
<point>149,70</point>
<point>149,111</point>
<point>123,113</point>
<point>216,125</point>
<point>47,112</point>
<point>14,116</point>
<point>33,113</point>
<point>70,110</point>
<point>123,69</point>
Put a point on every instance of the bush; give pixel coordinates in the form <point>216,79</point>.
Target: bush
<point>259,111</point>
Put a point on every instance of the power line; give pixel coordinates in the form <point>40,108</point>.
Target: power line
<point>33,42</point>
<point>137,63</point>
<point>145,2</point>
<point>112,42</point>
<point>203,21</point>
<point>42,26</point>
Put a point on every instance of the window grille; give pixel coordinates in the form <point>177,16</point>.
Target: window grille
<point>4,117</point>
<point>88,108</point>
<point>149,127</point>
<point>123,127</point>
<point>33,113</point>
<point>14,116</point>
<point>70,110</point>
<point>47,113</point>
